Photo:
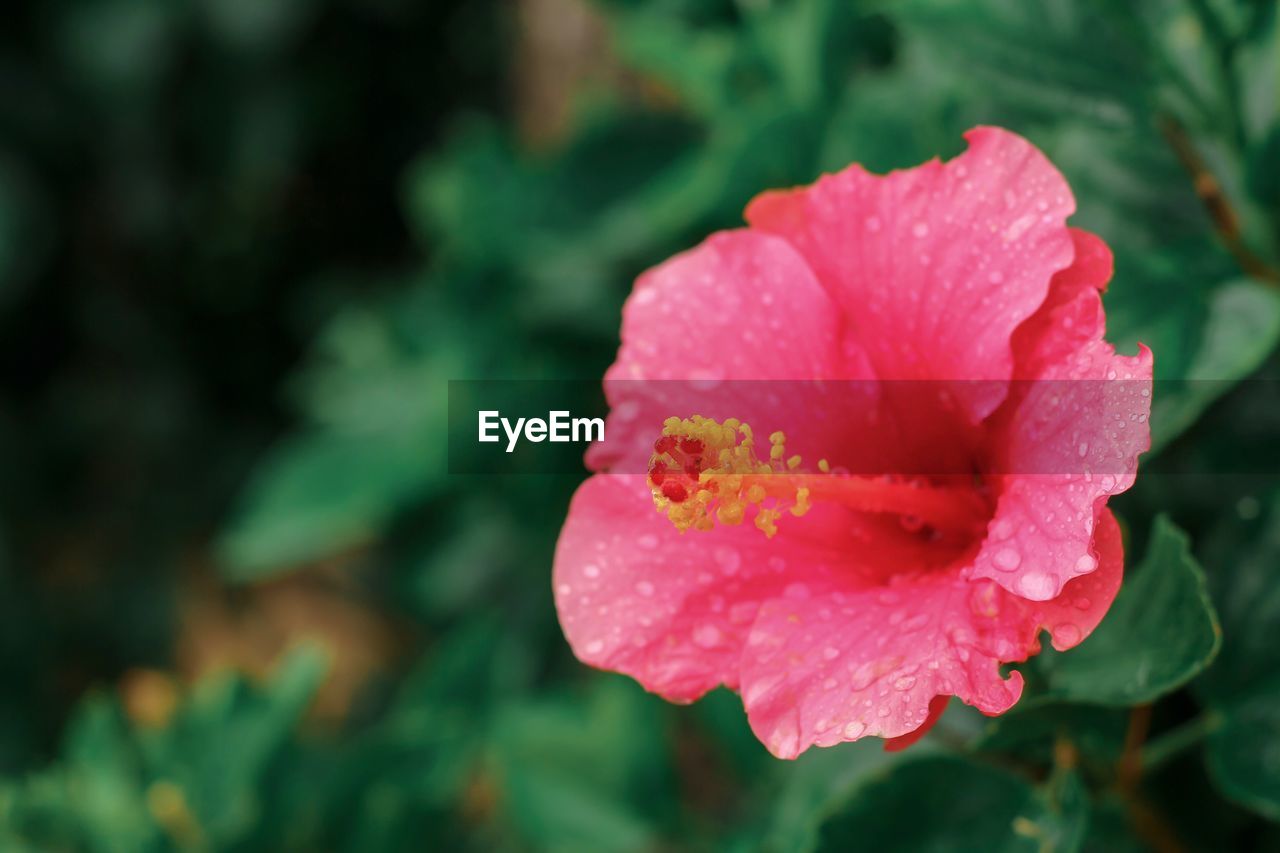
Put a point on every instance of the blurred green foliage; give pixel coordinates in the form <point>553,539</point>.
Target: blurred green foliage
<point>243,247</point>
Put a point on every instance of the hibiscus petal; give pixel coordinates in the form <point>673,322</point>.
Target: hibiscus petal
<point>671,610</point>
<point>1068,438</point>
<point>741,306</point>
<point>825,664</point>
<point>1071,315</point>
<point>1072,616</point>
<point>935,266</point>
<point>840,665</point>
<point>936,708</point>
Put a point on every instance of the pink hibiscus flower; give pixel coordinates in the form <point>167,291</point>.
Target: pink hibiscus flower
<point>929,346</point>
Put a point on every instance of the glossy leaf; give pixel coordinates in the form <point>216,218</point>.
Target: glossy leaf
<point>932,803</point>
<point>1243,689</point>
<point>1160,632</point>
<point>1241,329</point>
<point>1244,751</point>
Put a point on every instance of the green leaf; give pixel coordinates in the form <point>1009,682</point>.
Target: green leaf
<point>1064,815</point>
<point>870,125</point>
<point>1245,559</point>
<point>94,798</point>
<point>200,780</point>
<point>1160,632</point>
<point>1069,59</point>
<point>697,63</point>
<point>1032,733</point>
<point>376,405</point>
<point>1244,752</point>
<point>220,746</point>
<point>588,775</point>
<point>1243,688</point>
<point>1240,330</point>
<point>317,493</point>
<point>807,789</point>
<point>427,751</point>
<point>939,803</point>
<point>1111,828</point>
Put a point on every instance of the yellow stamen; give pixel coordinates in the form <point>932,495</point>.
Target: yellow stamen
<point>704,471</point>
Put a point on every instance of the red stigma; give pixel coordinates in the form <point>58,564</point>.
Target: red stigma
<point>692,446</point>
<point>665,444</point>
<point>674,492</point>
<point>657,472</point>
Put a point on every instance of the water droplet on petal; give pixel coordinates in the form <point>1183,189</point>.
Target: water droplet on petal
<point>707,636</point>
<point>760,687</point>
<point>1007,559</point>
<point>785,740</point>
<point>1037,586</point>
<point>854,730</point>
<point>862,677</point>
<point>648,541</point>
<point>797,591</point>
<point>644,588</point>
<point>915,623</point>
<point>728,559</point>
<point>1086,564</point>
<point>1066,635</point>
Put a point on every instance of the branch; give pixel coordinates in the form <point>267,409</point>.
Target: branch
<point>1224,217</point>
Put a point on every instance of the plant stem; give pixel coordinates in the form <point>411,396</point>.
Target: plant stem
<point>1221,212</point>
<point>1174,742</point>
<point>1129,767</point>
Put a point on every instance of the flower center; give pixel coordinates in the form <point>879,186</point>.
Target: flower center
<point>703,471</point>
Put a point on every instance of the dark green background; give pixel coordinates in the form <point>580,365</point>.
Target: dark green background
<point>245,245</point>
